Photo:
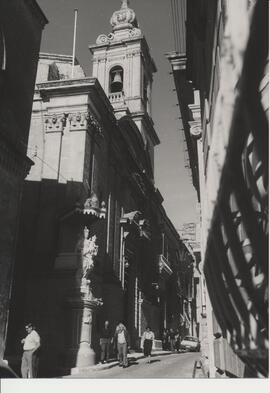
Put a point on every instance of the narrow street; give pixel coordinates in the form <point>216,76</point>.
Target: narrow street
<point>168,366</point>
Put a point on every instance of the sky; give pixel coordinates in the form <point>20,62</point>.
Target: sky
<point>172,178</point>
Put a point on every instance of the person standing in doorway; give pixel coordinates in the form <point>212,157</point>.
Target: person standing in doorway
<point>31,344</point>
<point>105,342</point>
<point>147,343</point>
<point>122,342</point>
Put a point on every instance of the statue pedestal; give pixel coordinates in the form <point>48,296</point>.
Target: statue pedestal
<point>86,355</point>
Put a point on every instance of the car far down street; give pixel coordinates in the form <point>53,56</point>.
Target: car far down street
<point>190,343</point>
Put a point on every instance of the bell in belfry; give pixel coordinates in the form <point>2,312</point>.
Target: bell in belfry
<point>117,83</point>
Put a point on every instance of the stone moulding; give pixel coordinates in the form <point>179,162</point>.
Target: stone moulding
<point>111,37</point>
<point>88,85</point>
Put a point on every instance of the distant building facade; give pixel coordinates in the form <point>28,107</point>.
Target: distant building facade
<point>222,87</point>
<point>21,25</point>
<point>92,142</point>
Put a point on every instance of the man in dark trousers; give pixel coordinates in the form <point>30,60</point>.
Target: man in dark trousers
<point>105,341</point>
<point>31,344</point>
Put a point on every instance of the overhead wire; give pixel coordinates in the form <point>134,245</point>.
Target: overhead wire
<point>49,166</point>
<point>35,149</point>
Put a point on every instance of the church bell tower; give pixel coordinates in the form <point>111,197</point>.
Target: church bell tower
<point>124,67</point>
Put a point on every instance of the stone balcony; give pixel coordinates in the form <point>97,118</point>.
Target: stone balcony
<point>117,99</point>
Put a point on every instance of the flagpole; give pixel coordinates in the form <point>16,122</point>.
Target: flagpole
<point>74,41</point>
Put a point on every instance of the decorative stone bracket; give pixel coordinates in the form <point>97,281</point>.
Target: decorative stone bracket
<point>56,122</point>
<point>111,37</point>
<point>195,128</point>
<point>82,120</point>
<point>195,123</point>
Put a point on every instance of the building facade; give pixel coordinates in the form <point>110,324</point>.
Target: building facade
<point>21,25</point>
<point>92,184</point>
<point>223,98</point>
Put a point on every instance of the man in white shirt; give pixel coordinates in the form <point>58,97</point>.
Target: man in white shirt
<point>29,359</point>
<point>122,343</point>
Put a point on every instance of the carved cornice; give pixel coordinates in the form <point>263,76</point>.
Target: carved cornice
<point>195,110</point>
<point>86,85</point>
<point>178,61</point>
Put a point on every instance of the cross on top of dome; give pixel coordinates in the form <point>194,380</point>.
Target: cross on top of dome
<point>125,4</point>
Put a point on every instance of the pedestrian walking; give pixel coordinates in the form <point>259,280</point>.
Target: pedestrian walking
<point>172,339</point>
<point>165,339</point>
<point>106,338</point>
<point>31,344</point>
<point>122,343</point>
<point>177,340</point>
<point>147,342</point>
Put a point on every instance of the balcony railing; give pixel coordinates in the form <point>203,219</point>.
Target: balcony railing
<point>236,259</point>
<point>117,97</point>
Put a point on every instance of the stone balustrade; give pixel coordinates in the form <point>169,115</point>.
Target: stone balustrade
<point>116,97</point>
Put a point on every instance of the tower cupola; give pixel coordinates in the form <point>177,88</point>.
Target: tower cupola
<point>124,67</point>
<point>124,18</point>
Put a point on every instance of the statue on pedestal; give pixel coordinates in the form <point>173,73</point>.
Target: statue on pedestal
<point>88,250</point>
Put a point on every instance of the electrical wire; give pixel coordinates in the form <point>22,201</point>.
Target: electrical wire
<point>49,166</point>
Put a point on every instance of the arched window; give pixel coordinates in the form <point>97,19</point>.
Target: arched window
<point>116,79</point>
